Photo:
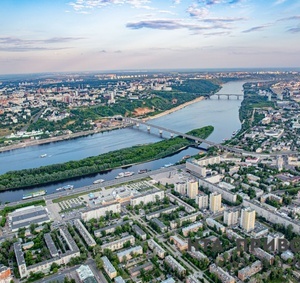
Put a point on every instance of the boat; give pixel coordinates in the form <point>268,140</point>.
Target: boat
<point>34,194</point>
<point>128,174</point>
<point>142,171</point>
<point>64,188</point>
<point>168,165</point>
<point>43,155</point>
<point>98,181</point>
<point>120,175</point>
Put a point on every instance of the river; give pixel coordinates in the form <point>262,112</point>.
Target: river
<point>222,114</point>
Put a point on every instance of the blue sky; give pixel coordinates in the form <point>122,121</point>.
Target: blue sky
<point>87,35</point>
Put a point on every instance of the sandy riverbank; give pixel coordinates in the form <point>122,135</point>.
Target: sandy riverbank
<point>181,106</point>
<point>86,133</point>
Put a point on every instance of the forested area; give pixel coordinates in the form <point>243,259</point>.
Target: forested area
<point>96,164</point>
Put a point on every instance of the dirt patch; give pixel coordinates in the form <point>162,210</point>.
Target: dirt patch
<point>142,111</point>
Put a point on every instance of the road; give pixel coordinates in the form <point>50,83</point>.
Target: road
<point>86,189</point>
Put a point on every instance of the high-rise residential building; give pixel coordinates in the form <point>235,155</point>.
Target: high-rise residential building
<point>202,200</point>
<point>192,189</point>
<point>215,202</point>
<point>180,187</point>
<point>247,219</point>
<point>231,217</point>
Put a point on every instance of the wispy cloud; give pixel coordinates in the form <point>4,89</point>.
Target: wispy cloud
<point>297,17</point>
<point>257,28</point>
<point>278,2</point>
<point>294,30</point>
<point>80,5</point>
<point>15,44</point>
<point>215,2</point>
<point>173,24</point>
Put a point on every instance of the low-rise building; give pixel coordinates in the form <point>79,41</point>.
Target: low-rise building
<point>192,228</point>
<point>156,214</point>
<point>248,271</point>
<point>149,196</point>
<point>24,217</point>
<point>5,274</point>
<point>181,244</point>
<point>85,274</point>
<point>110,229</point>
<point>175,265</point>
<point>213,223</point>
<point>224,276</point>
<point>163,228</point>
<point>157,249</point>
<point>128,253</point>
<point>263,255</point>
<point>109,268</point>
<point>191,218</point>
<point>84,233</point>
<point>50,245</point>
<point>100,211</point>
<point>119,279</point>
<point>118,244</point>
<point>139,232</point>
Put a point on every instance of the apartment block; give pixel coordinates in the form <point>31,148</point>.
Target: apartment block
<point>192,228</point>
<point>84,233</point>
<point>248,271</point>
<point>247,221</point>
<point>175,265</point>
<point>157,249</point>
<point>231,217</point>
<point>192,189</point>
<point>100,211</point>
<point>150,196</point>
<point>181,244</point>
<point>215,202</point>
<point>224,276</point>
<point>109,268</point>
<point>118,244</point>
<point>202,200</point>
<point>127,254</point>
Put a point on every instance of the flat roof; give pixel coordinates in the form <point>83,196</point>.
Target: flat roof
<point>30,221</point>
<point>50,244</point>
<point>19,253</point>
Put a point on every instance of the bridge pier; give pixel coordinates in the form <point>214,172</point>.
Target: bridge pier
<point>160,133</point>
<point>218,97</point>
<point>238,97</point>
<point>228,97</point>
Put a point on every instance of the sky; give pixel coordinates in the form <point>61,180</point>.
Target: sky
<point>98,35</point>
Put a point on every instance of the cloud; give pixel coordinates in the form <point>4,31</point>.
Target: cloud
<point>176,2</point>
<point>215,2</point>
<point>80,5</point>
<point>294,30</point>
<point>257,28</point>
<point>297,17</point>
<point>169,24</point>
<point>15,44</point>
<point>278,2</point>
<point>196,12</point>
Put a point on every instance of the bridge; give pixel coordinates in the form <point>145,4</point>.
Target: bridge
<point>227,94</point>
<point>137,122</point>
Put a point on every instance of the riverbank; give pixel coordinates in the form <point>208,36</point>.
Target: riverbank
<point>181,106</point>
<point>91,132</point>
<point>58,138</point>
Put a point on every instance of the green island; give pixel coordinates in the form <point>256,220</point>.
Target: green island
<point>95,164</point>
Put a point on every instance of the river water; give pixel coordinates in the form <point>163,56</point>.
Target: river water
<point>222,114</point>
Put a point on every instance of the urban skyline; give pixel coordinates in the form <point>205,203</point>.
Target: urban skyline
<point>81,35</point>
